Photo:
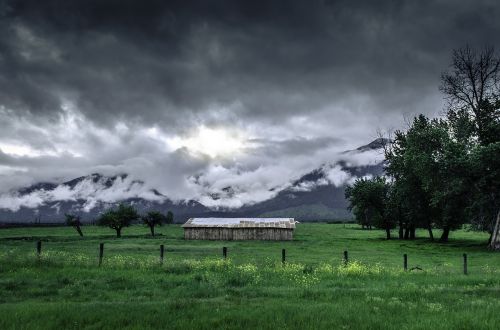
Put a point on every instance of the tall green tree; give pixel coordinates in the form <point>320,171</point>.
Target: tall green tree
<point>484,171</point>
<point>411,164</point>
<point>450,189</point>
<point>430,169</point>
<point>473,90</point>
<point>446,172</point>
<point>118,218</point>
<point>368,200</point>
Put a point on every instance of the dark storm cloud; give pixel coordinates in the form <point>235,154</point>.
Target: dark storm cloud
<point>102,85</point>
<point>260,60</point>
<point>295,146</point>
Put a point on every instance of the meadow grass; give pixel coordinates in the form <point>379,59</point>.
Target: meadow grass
<point>196,288</point>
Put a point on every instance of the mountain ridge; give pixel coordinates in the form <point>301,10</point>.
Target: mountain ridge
<point>314,196</point>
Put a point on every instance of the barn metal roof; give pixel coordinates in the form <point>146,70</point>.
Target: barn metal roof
<point>240,223</point>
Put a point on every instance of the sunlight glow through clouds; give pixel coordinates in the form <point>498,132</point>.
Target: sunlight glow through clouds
<point>209,141</point>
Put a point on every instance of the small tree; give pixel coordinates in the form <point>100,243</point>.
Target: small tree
<point>368,200</point>
<point>74,221</point>
<point>119,218</point>
<point>170,218</point>
<point>152,219</point>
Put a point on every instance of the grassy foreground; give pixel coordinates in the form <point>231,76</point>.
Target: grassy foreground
<point>195,288</point>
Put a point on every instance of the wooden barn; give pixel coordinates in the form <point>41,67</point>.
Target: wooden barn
<point>270,229</point>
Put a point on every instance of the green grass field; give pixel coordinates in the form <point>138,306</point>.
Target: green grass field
<point>195,288</point>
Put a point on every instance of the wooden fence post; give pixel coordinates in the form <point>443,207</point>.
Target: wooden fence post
<point>101,253</point>
<point>224,252</point>
<point>346,258</point>
<point>162,250</point>
<point>283,256</point>
<point>39,248</point>
<point>465,263</point>
<point>405,262</point>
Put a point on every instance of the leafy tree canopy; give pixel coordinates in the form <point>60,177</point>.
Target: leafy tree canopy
<point>118,218</point>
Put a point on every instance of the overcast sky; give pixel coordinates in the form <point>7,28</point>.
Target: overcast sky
<point>193,98</point>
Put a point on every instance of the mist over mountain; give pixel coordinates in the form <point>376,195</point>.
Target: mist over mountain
<point>317,195</point>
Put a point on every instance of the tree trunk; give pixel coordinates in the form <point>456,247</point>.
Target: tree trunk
<point>152,228</point>
<point>388,233</point>
<point>431,235</point>
<point>407,233</point>
<point>118,232</point>
<point>446,233</point>
<point>412,232</point>
<point>79,230</point>
<point>495,235</point>
<point>401,230</point>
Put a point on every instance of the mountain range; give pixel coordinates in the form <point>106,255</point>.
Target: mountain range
<point>314,196</point>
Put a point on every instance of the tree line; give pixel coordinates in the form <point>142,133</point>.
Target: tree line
<point>123,216</point>
<point>442,172</point>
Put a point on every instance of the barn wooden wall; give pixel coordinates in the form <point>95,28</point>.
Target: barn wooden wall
<point>228,234</point>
